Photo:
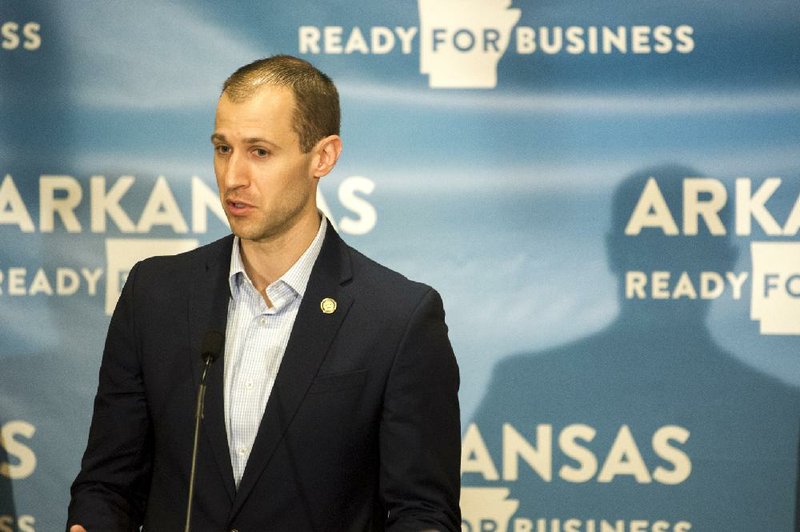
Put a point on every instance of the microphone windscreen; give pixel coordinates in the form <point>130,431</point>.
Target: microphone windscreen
<point>213,343</point>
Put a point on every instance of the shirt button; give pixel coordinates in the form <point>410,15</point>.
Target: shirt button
<point>249,384</point>
<point>263,321</point>
<point>242,451</point>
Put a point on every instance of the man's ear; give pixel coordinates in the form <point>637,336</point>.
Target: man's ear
<point>326,153</point>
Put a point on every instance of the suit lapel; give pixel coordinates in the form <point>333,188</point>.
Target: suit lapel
<point>313,332</point>
<point>208,310</point>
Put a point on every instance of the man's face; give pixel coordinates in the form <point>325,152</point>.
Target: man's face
<point>266,184</point>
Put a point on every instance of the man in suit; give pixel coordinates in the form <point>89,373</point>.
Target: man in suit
<point>334,405</point>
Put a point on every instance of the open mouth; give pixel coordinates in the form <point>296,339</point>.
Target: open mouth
<point>237,207</point>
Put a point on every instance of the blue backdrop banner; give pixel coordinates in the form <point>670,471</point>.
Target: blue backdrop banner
<point>606,194</point>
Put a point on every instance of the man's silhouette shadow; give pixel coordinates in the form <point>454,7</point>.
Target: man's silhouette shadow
<point>656,365</point>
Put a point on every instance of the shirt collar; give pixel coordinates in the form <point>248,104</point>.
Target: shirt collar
<point>295,277</point>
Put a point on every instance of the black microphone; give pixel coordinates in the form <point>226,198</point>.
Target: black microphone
<point>213,344</point>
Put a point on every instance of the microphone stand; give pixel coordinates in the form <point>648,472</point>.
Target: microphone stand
<point>213,344</point>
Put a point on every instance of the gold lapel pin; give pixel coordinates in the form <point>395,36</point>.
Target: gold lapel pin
<point>328,305</point>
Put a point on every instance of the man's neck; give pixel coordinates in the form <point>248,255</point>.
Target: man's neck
<point>267,260</point>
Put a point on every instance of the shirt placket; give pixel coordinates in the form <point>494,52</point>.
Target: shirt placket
<point>248,382</point>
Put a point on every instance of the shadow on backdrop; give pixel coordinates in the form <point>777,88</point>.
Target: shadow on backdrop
<point>727,459</point>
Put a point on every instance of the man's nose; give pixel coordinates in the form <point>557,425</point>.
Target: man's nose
<point>236,172</point>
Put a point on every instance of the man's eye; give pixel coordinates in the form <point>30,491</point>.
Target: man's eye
<point>222,149</point>
<point>260,152</point>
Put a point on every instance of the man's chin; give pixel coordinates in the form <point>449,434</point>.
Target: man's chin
<point>252,234</point>
<point>242,230</point>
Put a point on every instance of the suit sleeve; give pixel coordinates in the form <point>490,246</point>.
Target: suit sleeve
<point>420,434</point>
<point>110,491</point>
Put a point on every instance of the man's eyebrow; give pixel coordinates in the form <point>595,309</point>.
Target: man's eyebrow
<point>259,140</point>
<point>219,137</point>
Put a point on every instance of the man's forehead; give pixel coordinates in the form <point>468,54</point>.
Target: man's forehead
<point>265,117</point>
<point>268,105</point>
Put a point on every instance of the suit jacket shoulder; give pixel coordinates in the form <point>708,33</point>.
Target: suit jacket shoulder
<point>386,286</point>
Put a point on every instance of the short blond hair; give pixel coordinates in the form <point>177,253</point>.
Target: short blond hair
<point>316,112</point>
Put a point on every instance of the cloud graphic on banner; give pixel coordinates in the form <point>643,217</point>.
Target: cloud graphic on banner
<point>123,253</point>
<point>486,509</point>
<point>776,287</point>
<point>151,71</point>
<point>461,41</point>
<point>600,104</point>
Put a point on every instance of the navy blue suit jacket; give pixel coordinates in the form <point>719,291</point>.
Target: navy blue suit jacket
<point>361,430</point>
